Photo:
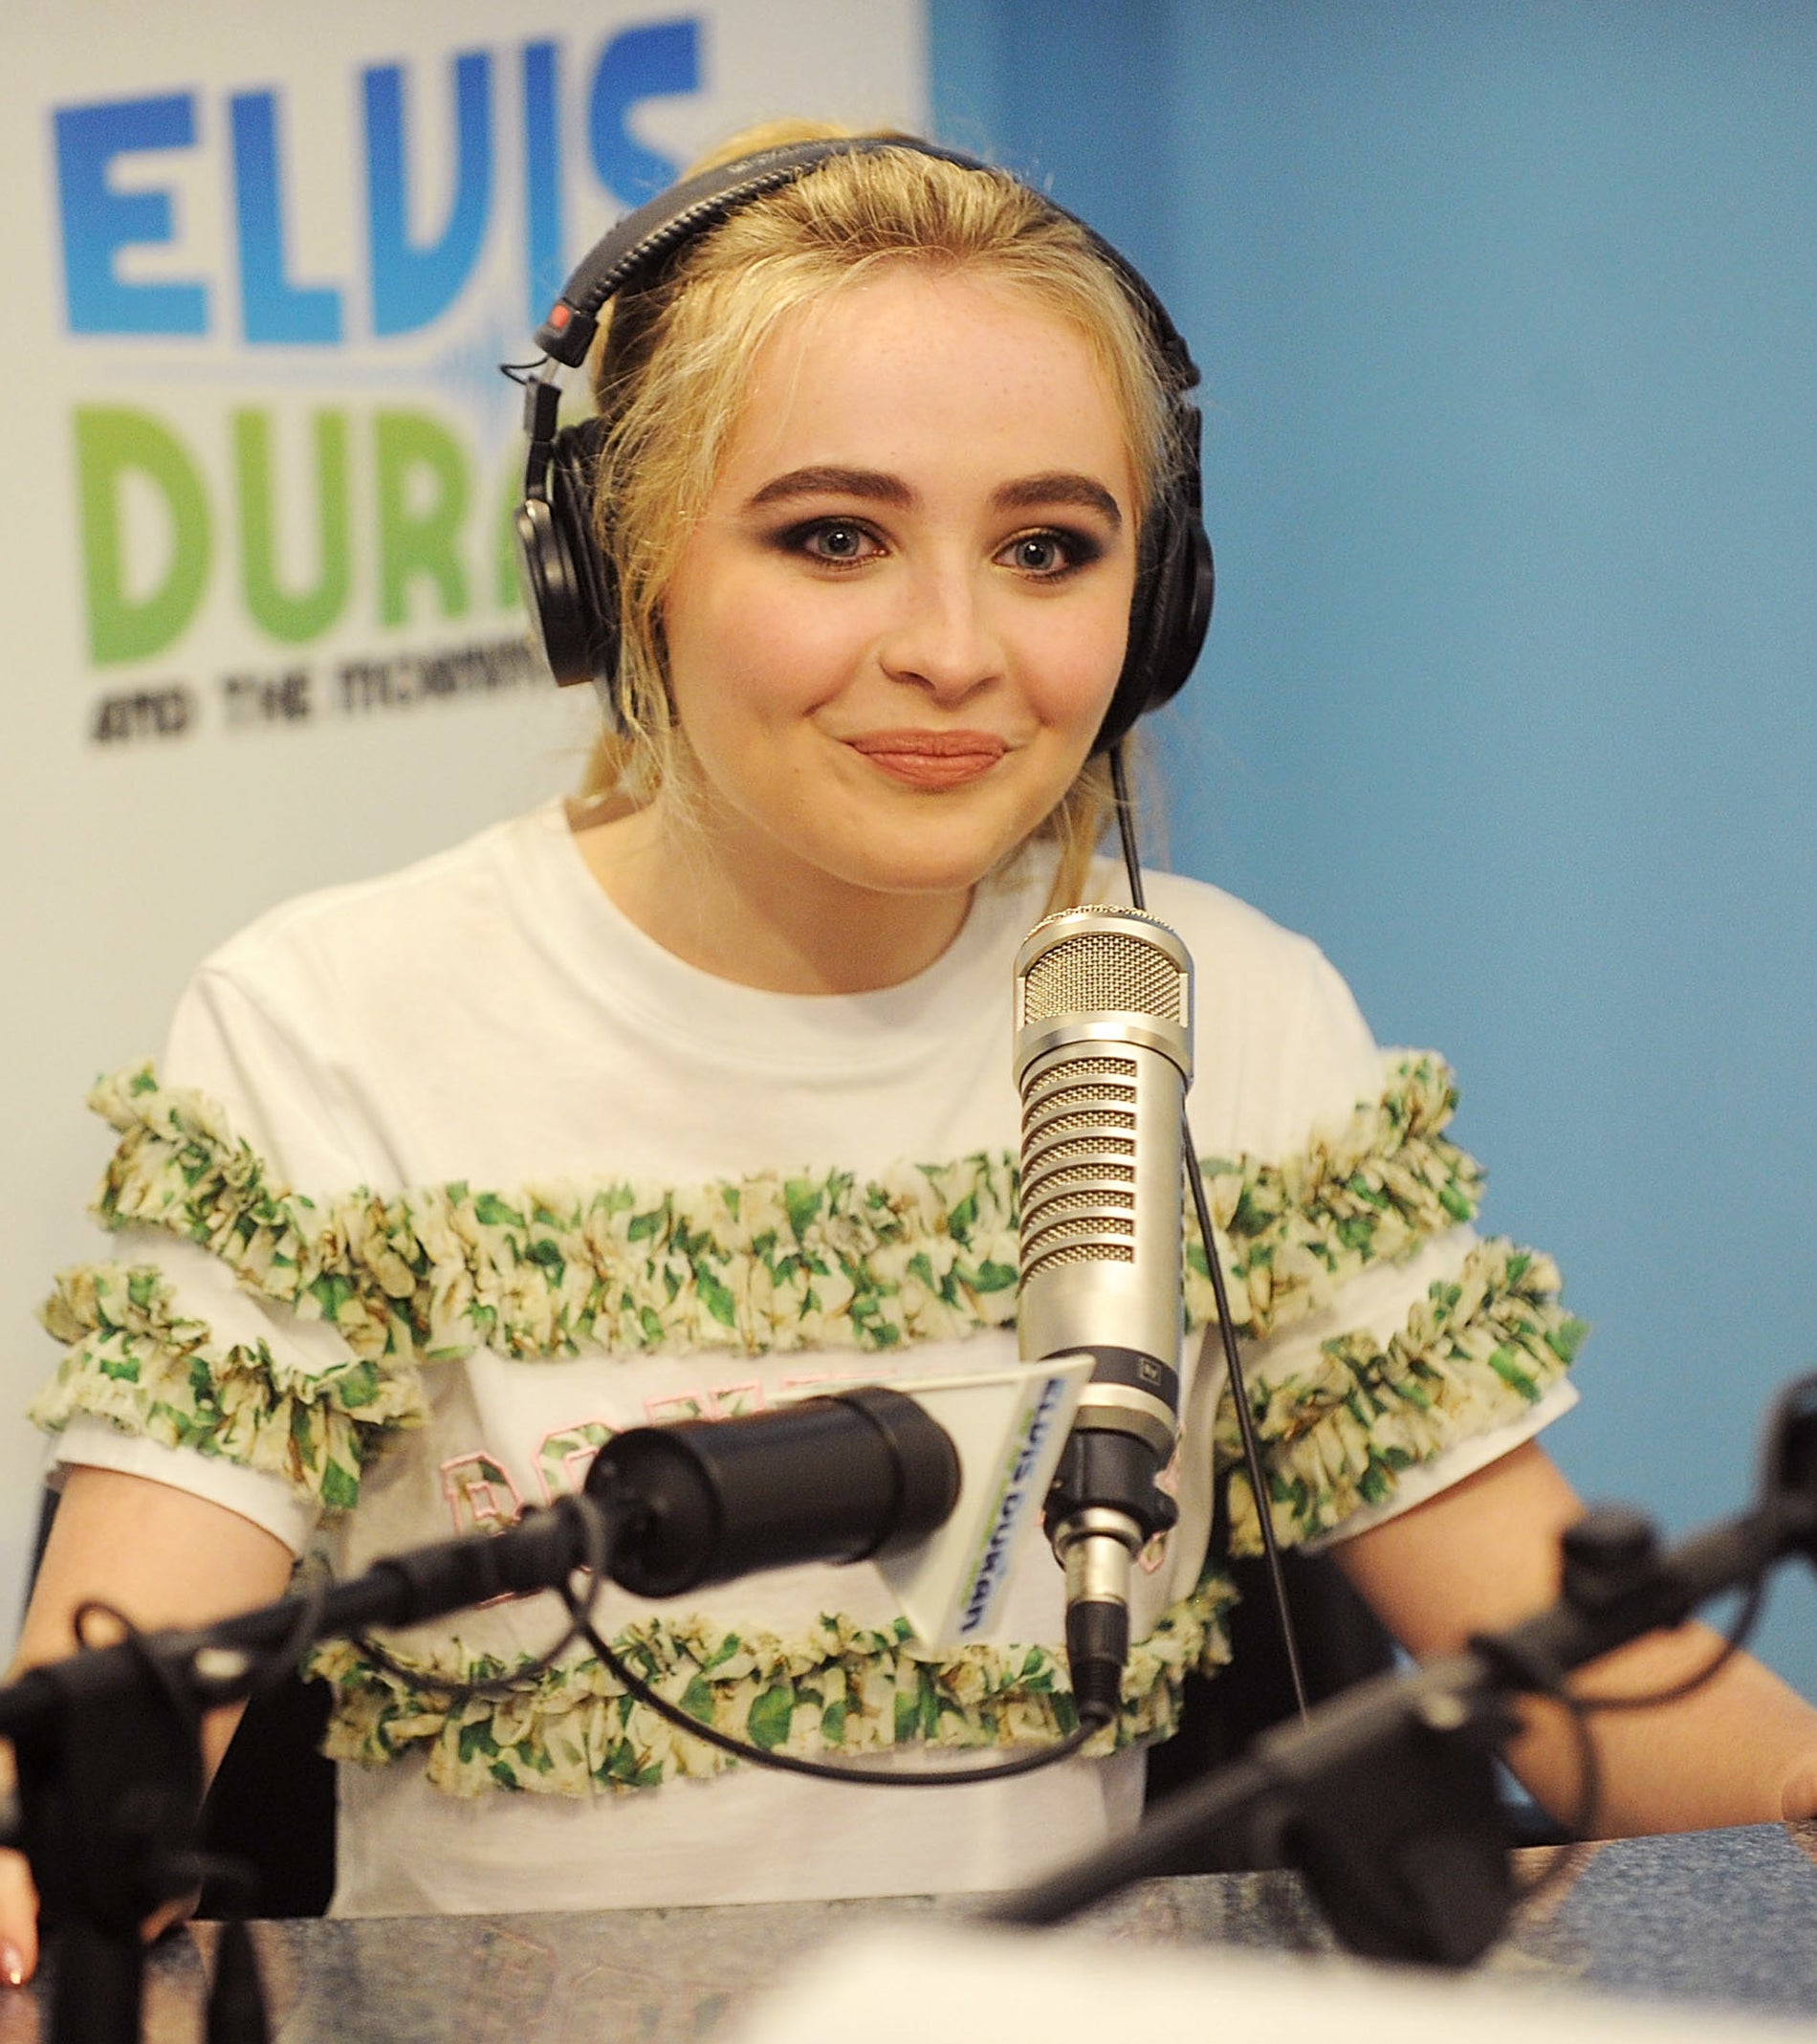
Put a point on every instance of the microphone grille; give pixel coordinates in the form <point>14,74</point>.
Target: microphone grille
<point>1099,970</point>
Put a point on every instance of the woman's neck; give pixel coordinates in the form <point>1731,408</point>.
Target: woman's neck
<point>758,918</point>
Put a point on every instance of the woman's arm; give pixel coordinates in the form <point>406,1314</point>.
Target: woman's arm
<point>1742,1750</point>
<point>161,1556</point>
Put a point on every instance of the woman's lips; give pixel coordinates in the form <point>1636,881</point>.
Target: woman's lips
<point>932,758</point>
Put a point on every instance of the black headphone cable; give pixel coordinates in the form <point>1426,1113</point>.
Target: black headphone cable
<point>1220,1291</point>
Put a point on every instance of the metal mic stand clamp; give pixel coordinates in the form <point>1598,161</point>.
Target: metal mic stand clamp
<point>1389,1808</point>
<point>1384,1799</point>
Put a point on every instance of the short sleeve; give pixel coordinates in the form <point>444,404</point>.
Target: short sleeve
<point>1388,1349</point>
<point>200,1348</point>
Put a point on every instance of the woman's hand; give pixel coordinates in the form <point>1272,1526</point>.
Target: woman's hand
<point>161,1557</point>
<point>19,1917</point>
<point>18,1900</point>
<point>1799,1804</point>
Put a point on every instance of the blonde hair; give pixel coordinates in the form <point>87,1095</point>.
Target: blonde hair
<point>675,356</point>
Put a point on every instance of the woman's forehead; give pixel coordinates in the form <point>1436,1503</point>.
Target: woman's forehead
<point>913,366</point>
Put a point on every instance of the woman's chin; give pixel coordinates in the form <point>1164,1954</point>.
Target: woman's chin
<point>912,880</point>
<point>946,858</point>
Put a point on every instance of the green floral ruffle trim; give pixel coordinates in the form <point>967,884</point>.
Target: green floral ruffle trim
<point>1473,1355</point>
<point>764,1262</point>
<point>1290,1234</point>
<point>135,1360</point>
<point>845,1689</point>
<point>768,1262</point>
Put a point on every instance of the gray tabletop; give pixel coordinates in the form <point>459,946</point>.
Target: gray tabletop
<point>1726,1917</point>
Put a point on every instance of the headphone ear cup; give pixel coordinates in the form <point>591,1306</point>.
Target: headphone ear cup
<point>1184,613</point>
<point>1168,620</point>
<point>569,588</point>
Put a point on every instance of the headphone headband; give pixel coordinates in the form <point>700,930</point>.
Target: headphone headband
<point>569,587</point>
<point>641,240</point>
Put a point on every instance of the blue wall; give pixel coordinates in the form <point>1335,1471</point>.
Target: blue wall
<point>1508,315</point>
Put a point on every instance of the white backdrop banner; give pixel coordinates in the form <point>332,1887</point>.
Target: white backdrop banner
<point>261,264</point>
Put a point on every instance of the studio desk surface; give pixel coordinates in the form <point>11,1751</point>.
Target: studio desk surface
<point>1706,1921</point>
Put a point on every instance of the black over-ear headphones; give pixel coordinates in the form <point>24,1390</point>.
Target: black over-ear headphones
<point>568,584</point>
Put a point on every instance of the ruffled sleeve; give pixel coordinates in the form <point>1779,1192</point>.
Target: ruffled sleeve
<point>207,1332</point>
<point>1383,1333</point>
<point>1344,1412</point>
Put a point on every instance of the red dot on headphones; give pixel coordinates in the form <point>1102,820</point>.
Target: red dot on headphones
<point>563,313</point>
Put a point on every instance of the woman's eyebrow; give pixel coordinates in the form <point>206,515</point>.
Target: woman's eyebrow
<point>1030,493</point>
<point>872,484</point>
<point>876,486</point>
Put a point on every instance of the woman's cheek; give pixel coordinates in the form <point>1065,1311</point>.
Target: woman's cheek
<point>1081,677</point>
<point>790,658</point>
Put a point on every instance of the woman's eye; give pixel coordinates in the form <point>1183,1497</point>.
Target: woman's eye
<point>837,540</point>
<point>1046,556</point>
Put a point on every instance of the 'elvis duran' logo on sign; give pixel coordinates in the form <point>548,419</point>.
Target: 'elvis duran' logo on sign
<point>411,281</point>
<point>311,510</point>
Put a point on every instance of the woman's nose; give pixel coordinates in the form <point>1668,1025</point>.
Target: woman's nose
<point>941,636</point>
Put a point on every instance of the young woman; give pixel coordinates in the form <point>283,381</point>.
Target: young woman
<point>676,1098</point>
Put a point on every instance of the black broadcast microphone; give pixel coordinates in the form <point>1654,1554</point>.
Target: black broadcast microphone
<point>1104,1055</point>
<point>853,1476</point>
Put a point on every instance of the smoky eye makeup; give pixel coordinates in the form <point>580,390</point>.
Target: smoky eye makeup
<point>831,541</point>
<point>1050,553</point>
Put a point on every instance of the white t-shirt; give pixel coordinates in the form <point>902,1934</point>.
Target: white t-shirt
<point>488,1019</point>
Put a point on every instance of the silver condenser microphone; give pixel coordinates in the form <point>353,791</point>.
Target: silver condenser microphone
<point>1104,1055</point>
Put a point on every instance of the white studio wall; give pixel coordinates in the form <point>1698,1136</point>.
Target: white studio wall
<point>264,635</point>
